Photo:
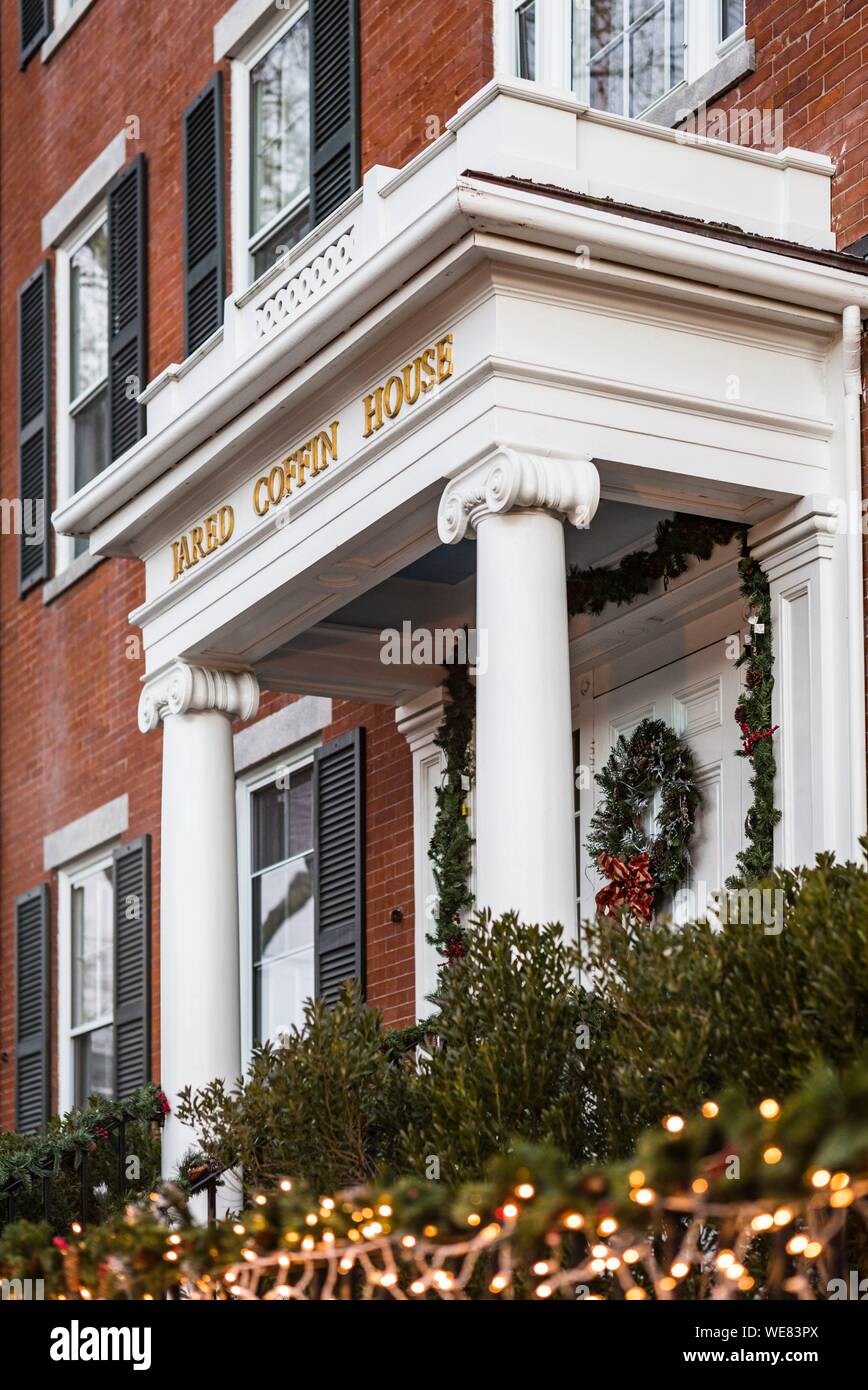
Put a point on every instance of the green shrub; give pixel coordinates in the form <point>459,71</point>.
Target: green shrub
<point>675,1014</point>
<point>694,1010</point>
<point>511,1058</point>
<point>326,1104</point>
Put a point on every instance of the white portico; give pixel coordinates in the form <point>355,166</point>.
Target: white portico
<point>518,352</point>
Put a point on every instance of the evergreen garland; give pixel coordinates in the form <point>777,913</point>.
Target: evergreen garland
<point>678,541</point>
<point>28,1158</point>
<point>754,717</point>
<point>451,841</point>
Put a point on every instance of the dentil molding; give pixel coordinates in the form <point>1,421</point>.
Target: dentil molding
<point>183,689</point>
<point>507,479</point>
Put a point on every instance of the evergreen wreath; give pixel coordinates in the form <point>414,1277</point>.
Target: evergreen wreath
<point>652,759</point>
<point>451,841</point>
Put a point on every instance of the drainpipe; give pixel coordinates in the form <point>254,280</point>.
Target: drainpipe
<point>852,345</point>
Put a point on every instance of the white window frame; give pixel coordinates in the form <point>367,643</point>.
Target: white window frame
<point>243,242</point>
<point>292,760</point>
<point>64,433</point>
<point>68,878</point>
<point>704,44</point>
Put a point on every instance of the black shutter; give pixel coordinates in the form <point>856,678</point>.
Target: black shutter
<point>339,842</point>
<point>334,104</point>
<point>35,21</point>
<point>33,1010</point>
<point>34,398</point>
<point>204,241</point>
<point>132,1003</point>
<point>127,298</point>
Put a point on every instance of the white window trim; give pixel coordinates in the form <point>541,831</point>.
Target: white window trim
<point>289,761</point>
<point>64,26</point>
<point>241,135</point>
<point>64,453</point>
<point>704,45</point>
<point>67,879</point>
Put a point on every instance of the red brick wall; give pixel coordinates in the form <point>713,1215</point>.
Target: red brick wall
<point>812,67</point>
<point>68,691</point>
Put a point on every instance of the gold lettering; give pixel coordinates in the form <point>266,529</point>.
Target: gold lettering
<point>276,484</point>
<point>373,412</point>
<point>211,541</point>
<point>185,561</point>
<point>176,560</point>
<point>391,406</point>
<point>227,523</point>
<point>328,443</point>
<point>413,369</point>
<point>303,464</point>
<point>444,358</point>
<point>198,538</point>
<point>260,505</point>
<point>427,362</point>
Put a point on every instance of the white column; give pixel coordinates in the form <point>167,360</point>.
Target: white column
<point>805,558</point>
<point>200,1036</point>
<point>524,780</point>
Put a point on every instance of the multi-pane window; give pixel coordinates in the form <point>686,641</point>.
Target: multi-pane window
<point>88,359</point>
<point>628,53</point>
<point>525,37</point>
<point>92,982</point>
<point>731,17</point>
<point>282,891</point>
<point>280,153</point>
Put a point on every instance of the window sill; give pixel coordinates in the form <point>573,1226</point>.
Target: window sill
<point>76,570</point>
<point>686,99</point>
<point>66,25</point>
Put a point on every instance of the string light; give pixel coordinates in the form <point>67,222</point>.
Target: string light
<point>710,1109</point>
<point>821,1178</point>
<point>525,1191</point>
<point>772,1154</point>
<point>769,1109</point>
<point>673,1123</point>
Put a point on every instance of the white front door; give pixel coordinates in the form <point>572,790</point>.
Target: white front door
<point>697,696</point>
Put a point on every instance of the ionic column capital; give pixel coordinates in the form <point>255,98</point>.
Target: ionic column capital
<point>507,479</point>
<point>183,689</point>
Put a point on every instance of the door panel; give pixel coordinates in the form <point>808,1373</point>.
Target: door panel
<point>697,696</point>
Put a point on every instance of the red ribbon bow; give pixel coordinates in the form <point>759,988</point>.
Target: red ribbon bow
<point>632,885</point>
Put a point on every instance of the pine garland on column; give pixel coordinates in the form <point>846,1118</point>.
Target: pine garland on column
<point>754,717</point>
<point>451,841</point>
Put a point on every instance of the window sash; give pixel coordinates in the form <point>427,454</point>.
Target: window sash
<point>259,236</point>
<point>253,967</point>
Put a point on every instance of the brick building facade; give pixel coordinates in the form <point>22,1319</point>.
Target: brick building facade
<point>71,664</point>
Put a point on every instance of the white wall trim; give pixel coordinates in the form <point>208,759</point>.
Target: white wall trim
<point>234,30</point>
<point>419,721</point>
<point>66,25</point>
<point>88,833</point>
<point>78,200</point>
<point>269,737</point>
